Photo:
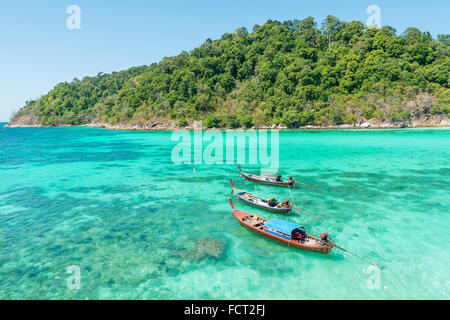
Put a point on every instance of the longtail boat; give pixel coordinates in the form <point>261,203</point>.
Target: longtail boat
<point>284,232</point>
<point>268,179</point>
<point>259,202</point>
<point>272,179</point>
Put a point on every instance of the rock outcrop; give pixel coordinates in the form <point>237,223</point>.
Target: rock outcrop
<point>202,249</point>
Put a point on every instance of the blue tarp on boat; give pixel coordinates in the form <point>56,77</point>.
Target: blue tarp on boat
<point>282,226</point>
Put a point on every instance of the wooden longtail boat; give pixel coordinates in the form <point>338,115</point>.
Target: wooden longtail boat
<point>258,202</point>
<point>285,232</point>
<point>268,179</point>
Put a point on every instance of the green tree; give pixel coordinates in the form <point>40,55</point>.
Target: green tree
<point>290,73</point>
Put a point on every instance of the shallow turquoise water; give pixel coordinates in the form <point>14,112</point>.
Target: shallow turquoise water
<point>114,204</point>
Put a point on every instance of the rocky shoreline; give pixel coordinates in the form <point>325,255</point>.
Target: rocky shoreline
<point>167,126</point>
<point>429,121</point>
<point>420,117</point>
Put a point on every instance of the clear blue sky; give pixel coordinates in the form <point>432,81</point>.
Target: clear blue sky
<point>37,50</point>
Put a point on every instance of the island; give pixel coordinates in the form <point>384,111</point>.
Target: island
<point>291,74</point>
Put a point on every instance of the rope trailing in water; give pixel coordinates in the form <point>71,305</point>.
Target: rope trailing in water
<point>334,245</point>
<point>293,205</point>
<point>306,212</point>
<point>305,184</point>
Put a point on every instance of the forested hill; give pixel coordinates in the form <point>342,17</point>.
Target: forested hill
<point>291,73</point>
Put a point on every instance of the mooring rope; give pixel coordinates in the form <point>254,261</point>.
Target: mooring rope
<point>295,207</point>
<point>305,184</point>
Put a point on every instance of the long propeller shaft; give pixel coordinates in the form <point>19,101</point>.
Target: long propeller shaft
<point>355,255</point>
<point>307,212</point>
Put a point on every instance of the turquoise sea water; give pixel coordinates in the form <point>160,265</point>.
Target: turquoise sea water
<point>114,204</point>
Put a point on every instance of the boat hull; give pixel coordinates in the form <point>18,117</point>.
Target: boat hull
<point>318,245</point>
<point>273,183</point>
<point>268,208</point>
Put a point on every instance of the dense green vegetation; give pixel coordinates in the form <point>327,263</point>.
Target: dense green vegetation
<point>293,73</point>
